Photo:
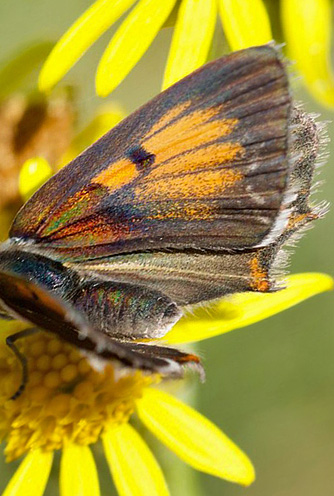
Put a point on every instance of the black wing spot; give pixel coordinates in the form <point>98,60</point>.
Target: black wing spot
<point>139,156</point>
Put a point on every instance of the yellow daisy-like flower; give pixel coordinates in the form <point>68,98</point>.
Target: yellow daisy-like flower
<point>308,30</point>
<point>306,25</point>
<point>194,28</point>
<point>68,406</point>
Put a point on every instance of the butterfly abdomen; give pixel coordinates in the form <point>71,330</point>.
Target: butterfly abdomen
<point>125,310</point>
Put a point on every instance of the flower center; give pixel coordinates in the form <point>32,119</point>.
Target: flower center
<point>65,399</point>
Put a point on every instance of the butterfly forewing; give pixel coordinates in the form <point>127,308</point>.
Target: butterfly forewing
<point>191,169</point>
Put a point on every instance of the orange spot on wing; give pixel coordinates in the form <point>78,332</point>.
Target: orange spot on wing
<point>189,358</point>
<point>184,125</point>
<point>202,158</point>
<point>188,132</point>
<point>117,175</point>
<point>185,211</point>
<point>259,276</point>
<point>169,116</point>
<point>171,137</point>
<point>296,220</point>
<point>198,212</point>
<point>204,184</point>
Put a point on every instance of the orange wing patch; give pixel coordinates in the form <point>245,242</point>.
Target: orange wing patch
<point>117,175</point>
<point>172,137</point>
<point>259,276</point>
<point>204,184</point>
<point>169,116</point>
<point>185,151</point>
<point>202,158</point>
<point>188,132</point>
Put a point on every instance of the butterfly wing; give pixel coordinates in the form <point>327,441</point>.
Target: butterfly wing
<point>186,278</point>
<point>192,169</point>
<point>191,276</point>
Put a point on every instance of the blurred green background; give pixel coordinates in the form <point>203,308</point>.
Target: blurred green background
<point>270,386</point>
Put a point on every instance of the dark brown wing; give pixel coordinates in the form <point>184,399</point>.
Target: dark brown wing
<point>202,166</point>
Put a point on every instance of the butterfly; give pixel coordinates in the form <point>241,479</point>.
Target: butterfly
<point>188,199</point>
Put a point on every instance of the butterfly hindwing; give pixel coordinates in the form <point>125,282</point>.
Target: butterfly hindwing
<point>192,169</point>
<point>186,278</point>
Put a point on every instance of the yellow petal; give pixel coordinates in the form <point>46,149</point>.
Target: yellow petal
<point>130,42</point>
<point>246,23</point>
<point>195,439</point>
<point>31,477</point>
<point>191,40</point>
<point>243,309</point>
<point>34,172</point>
<point>78,474</point>
<point>133,467</point>
<point>79,37</point>
<point>308,27</point>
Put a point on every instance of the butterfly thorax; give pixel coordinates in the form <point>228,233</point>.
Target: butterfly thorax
<point>21,267</point>
<point>18,259</point>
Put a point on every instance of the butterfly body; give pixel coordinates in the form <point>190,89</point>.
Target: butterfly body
<point>188,199</point>
<point>117,309</point>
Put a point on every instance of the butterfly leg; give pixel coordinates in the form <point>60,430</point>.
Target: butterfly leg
<point>10,342</point>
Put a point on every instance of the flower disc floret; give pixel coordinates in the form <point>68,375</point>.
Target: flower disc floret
<point>65,399</point>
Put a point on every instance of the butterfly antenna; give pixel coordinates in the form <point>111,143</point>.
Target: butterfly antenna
<point>10,342</point>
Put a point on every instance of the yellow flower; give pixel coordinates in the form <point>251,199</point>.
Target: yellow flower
<point>68,406</point>
<point>190,46</point>
<point>306,25</point>
<point>308,30</point>
<point>34,172</point>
